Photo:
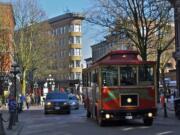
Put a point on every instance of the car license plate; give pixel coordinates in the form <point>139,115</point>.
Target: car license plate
<point>57,108</point>
<point>128,117</point>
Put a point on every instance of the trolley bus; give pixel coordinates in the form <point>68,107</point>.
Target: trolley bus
<point>120,86</point>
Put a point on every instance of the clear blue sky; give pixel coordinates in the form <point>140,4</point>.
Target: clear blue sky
<point>57,7</point>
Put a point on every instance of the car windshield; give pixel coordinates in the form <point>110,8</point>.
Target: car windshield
<point>73,98</point>
<point>57,96</point>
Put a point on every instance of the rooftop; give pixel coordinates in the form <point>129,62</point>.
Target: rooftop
<point>66,16</point>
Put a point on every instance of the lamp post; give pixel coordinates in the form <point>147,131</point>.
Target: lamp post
<point>15,70</point>
<point>50,82</point>
<point>36,95</point>
<point>166,94</point>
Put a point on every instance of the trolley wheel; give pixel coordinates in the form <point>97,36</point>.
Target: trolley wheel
<point>88,114</point>
<point>45,112</point>
<point>100,121</point>
<point>148,121</point>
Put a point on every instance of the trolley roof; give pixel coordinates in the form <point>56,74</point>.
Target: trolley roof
<point>122,57</point>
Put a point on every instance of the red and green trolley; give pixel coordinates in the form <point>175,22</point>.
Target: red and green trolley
<point>120,86</point>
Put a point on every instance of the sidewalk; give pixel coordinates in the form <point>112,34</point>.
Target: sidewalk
<point>16,130</point>
<point>170,119</point>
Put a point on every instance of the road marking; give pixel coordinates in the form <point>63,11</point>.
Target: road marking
<point>127,129</point>
<point>144,127</point>
<point>165,133</point>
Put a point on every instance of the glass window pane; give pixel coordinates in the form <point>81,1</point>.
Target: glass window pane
<point>110,76</point>
<point>146,74</point>
<point>128,76</point>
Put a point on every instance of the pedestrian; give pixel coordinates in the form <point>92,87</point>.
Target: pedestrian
<point>28,101</point>
<point>21,101</point>
<point>12,110</point>
<point>162,99</point>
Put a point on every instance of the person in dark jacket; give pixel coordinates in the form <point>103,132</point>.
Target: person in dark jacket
<point>12,111</point>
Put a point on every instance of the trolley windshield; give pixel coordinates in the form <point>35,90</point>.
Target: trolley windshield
<point>127,75</point>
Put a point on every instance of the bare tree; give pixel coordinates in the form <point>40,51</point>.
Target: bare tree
<point>32,38</point>
<point>145,23</point>
<point>140,20</point>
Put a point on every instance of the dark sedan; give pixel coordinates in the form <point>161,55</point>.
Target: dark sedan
<point>57,102</point>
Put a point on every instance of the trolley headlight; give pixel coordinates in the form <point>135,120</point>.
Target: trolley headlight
<point>48,103</point>
<point>107,116</point>
<point>129,100</point>
<point>150,114</point>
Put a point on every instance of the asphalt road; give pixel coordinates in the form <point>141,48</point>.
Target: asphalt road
<point>36,123</point>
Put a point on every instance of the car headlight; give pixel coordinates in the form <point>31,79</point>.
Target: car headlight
<point>73,103</point>
<point>48,103</point>
<point>65,103</point>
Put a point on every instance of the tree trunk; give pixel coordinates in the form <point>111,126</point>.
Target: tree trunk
<point>144,54</point>
<point>157,75</point>
<point>24,83</point>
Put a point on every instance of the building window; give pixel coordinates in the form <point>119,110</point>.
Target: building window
<point>78,63</point>
<point>72,64</point>
<point>75,40</point>
<point>75,28</point>
<point>78,75</point>
<point>71,40</point>
<point>72,76</point>
<point>75,52</point>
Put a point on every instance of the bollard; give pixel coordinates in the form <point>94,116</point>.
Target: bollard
<point>2,132</point>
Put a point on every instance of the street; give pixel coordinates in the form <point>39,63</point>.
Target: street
<point>36,123</point>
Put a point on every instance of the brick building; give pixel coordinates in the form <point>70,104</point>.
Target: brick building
<point>7,24</point>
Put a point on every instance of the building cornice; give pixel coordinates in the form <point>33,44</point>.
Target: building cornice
<point>66,16</point>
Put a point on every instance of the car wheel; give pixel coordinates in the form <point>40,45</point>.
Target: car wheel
<point>68,112</point>
<point>148,121</point>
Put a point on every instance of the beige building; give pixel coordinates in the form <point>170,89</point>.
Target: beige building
<point>67,30</point>
<point>111,42</point>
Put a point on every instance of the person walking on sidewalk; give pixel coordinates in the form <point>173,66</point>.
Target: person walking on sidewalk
<point>12,111</point>
<point>28,101</point>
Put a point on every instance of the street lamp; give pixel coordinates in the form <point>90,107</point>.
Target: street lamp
<point>50,82</point>
<point>15,70</point>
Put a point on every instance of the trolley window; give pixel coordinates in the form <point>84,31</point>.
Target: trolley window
<point>146,75</point>
<point>128,76</point>
<point>110,76</point>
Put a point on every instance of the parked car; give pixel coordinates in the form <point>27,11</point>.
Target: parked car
<point>57,102</point>
<point>74,102</point>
